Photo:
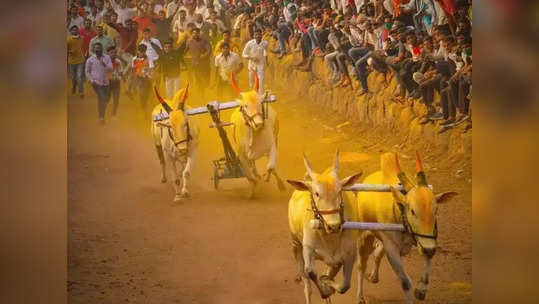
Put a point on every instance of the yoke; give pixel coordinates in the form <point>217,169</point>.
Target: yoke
<point>229,165</point>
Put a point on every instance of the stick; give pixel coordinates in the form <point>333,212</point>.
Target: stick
<point>373,226</point>
<point>374,188</point>
<point>222,106</point>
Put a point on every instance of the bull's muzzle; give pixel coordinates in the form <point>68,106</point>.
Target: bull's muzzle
<point>333,227</point>
<point>428,252</point>
<point>258,126</point>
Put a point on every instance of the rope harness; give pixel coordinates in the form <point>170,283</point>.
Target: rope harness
<point>318,213</point>
<point>187,139</point>
<point>408,228</point>
<point>171,135</point>
<point>250,120</point>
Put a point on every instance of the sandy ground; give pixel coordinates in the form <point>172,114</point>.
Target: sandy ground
<point>128,243</point>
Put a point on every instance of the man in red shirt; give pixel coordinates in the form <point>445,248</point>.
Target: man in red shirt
<point>144,21</point>
<point>87,33</point>
<point>128,37</point>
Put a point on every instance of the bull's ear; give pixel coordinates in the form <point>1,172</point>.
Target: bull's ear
<point>398,196</point>
<point>444,196</point>
<point>350,180</point>
<point>300,185</point>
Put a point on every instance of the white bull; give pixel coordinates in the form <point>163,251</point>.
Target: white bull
<point>255,131</point>
<point>322,199</point>
<point>175,138</point>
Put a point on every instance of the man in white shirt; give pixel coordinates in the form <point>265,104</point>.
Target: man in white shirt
<point>226,62</point>
<point>180,25</point>
<point>256,51</point>
<point>290,11</point>
<point>124,12</point>
<point>151,45</point>
<point>75,18</point>
<point>172,6</point>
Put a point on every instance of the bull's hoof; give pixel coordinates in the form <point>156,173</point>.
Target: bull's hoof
<point>326,290</point>
<point>185,194</point>
<point>177,198</point>
<point>373,278</point>
<point>163,180</point>
<point>361,301</point>
<point>420,294</point>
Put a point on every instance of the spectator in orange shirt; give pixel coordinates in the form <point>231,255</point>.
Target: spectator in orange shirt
<point>142,68</point>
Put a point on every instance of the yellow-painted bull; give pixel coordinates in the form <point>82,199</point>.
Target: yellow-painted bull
<point>255,131</point>
<point>321,200</point>
<point>416,210</point>
<point>176,140</point>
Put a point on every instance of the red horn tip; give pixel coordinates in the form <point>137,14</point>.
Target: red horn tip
<point>161,100</point>
<point>256,81</point>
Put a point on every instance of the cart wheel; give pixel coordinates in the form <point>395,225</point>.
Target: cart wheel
<point>215,178</point>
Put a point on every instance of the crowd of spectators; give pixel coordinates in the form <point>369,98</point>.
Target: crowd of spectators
<point>424,44</point>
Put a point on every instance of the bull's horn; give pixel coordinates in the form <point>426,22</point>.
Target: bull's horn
<point>308,166</point>
<point>336,163</point>
<point>403,178</point>
<point>162,101</point>
<point>256,81</point>
<point>233,84</point>
<point>421,178</point>
<point>181,104</point>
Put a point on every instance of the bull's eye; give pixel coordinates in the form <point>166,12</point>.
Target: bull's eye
<point>317,194</point>
<point>413,212</point>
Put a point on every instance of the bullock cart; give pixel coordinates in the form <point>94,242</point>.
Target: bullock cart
<point>229,165</point>
<point>316,224</point>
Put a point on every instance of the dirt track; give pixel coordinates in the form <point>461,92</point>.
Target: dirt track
<point>128,243</point>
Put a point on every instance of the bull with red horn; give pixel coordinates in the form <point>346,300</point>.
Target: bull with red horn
<point>256,131</point>
<point>175,138</point>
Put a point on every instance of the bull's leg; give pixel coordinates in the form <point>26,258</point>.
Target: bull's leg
<point>325,290</point>
<point>253,180</point>
<point>378,256</point>
<point>332,271</point>
<point>186,174</point>
<point>394,258</point>
<point>271,168</point>
<point>252,165</point>
<point>421,291</point>
<point>280,183</point>
<point>162,162</point>
<point>365,248</point>
<point>298,255</point>
<point>177,182</point>
<point>348,266</point>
